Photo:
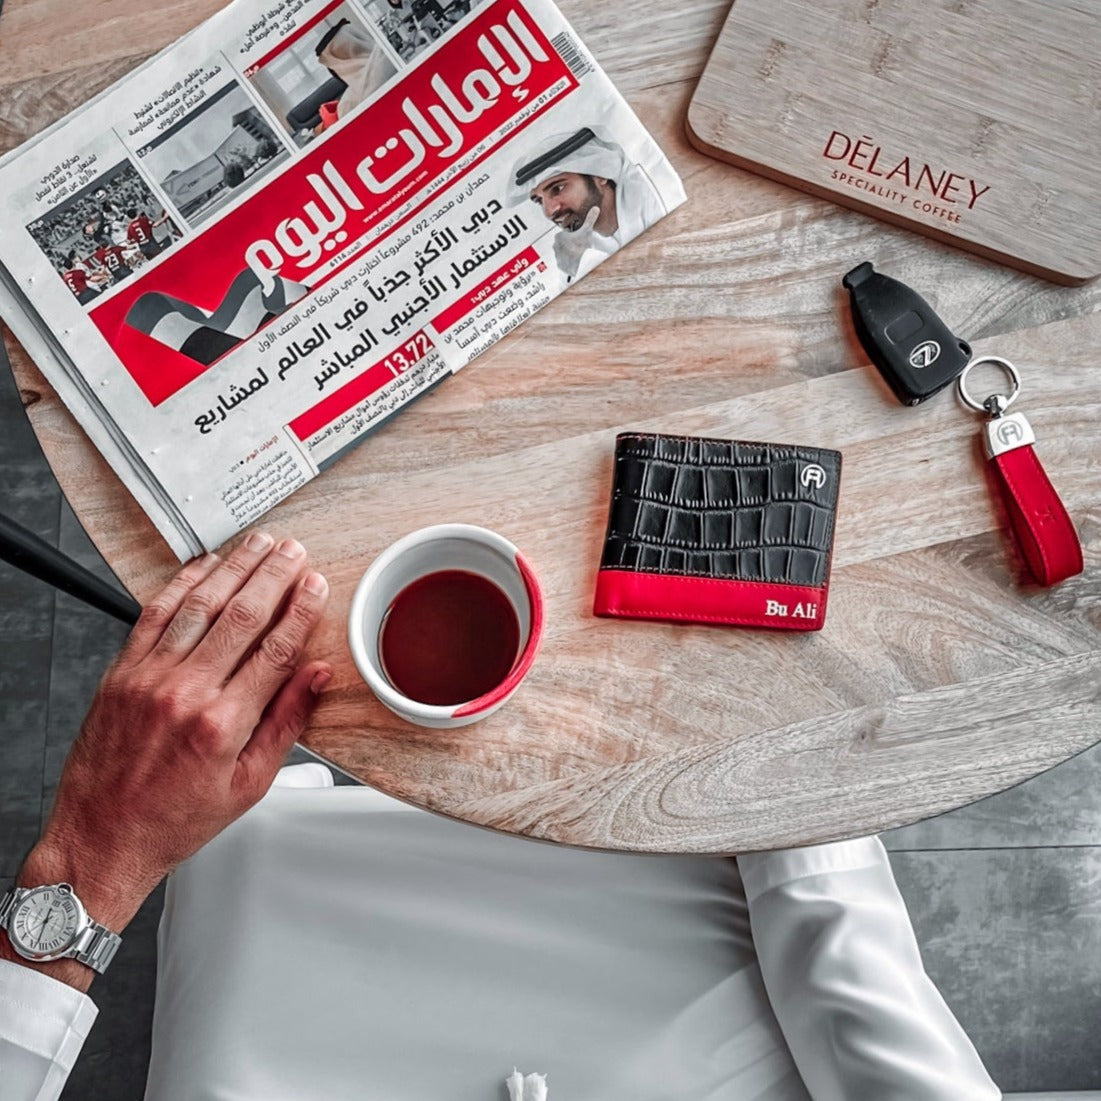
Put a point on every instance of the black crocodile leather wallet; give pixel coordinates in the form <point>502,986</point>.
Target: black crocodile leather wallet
<point>719,531</point>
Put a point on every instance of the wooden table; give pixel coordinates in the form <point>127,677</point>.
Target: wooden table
<point>942,674</point>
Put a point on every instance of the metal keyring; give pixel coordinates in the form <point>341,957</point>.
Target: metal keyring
<point>996,404</point>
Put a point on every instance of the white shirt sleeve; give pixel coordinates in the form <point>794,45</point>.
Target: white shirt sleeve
<point>845,978</point>
<point>43,1026</point>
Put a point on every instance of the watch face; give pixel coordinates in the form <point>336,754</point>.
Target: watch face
<point>45,923</point>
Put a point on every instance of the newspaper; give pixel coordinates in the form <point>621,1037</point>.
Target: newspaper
<point>248,254</point>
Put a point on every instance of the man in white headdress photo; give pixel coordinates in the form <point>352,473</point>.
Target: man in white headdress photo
<point>356,58</point>
<point>585,185</point>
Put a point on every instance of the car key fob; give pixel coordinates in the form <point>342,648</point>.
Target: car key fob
<point>915,352</point>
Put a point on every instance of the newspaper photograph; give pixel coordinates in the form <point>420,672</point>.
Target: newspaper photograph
<point>241,260</point>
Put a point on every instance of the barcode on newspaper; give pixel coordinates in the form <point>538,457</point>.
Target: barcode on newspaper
<point>568,49</point>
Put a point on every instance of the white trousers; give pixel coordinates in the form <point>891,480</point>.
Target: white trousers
<point>338,944</point>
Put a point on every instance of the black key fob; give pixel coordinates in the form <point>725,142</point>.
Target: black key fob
<point>914,350</point>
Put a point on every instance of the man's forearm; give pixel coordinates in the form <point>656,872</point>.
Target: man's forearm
<point>845,978</point>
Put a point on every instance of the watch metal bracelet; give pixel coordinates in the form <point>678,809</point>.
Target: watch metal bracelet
<point>96,946</point>
<point>7,904</point>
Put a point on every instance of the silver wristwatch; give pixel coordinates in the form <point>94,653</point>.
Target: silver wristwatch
<point>50,923</point>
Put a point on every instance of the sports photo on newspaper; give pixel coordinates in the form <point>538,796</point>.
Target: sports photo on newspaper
<point>252,251</point>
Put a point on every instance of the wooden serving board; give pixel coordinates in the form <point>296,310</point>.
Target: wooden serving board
<point>977,122</point>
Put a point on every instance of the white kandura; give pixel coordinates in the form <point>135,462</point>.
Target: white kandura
<point>708,1016</point>
<point>530,1088</point>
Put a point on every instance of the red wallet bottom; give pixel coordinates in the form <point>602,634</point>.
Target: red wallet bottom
<point>634,595</point>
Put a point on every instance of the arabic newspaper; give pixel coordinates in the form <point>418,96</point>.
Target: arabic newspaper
<point>248,254</point>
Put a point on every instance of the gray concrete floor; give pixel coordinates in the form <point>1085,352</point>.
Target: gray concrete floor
<point>1005,894</point>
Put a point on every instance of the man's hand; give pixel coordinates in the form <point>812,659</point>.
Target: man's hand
<point>570,247</point>
<point>188,728</point>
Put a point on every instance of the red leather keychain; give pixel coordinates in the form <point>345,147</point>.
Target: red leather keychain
<point>1043,530</point>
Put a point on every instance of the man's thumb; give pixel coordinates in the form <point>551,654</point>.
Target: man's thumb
<point>590,219</point>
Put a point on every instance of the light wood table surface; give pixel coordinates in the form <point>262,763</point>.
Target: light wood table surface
<point>942,674</point>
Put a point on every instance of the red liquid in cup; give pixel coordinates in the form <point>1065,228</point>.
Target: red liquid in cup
<point>448,638</point>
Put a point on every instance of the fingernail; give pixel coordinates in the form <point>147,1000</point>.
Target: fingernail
<point>320,679</point>
<point>209,561</point>
<point>315,584</point>
<point>259,541</point>
<point>290,548</point>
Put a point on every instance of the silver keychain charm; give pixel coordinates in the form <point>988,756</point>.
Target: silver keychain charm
<point>1004,431</point>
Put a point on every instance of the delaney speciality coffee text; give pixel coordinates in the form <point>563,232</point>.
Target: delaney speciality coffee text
<point>903,180</point>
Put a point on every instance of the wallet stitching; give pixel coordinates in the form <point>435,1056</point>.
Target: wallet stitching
<point>710,576</point>
<point>718,578</point>
<point>649,613</point>
<point>712,580</point>
<point>779,448</point>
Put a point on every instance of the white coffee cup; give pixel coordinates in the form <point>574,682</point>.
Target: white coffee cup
<point>427,551</point>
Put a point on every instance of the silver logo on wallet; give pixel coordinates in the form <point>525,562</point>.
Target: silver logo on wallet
<point>812,473</point>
